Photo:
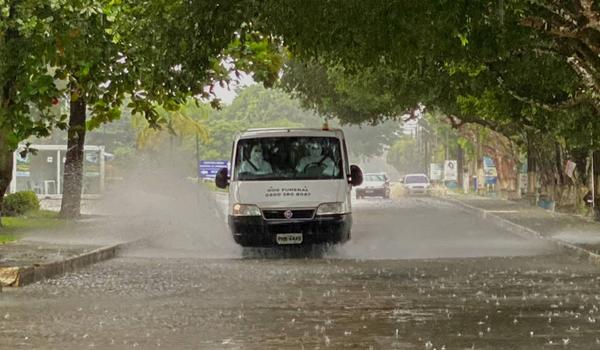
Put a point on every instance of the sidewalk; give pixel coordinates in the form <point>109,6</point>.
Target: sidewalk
<point>39,255</point>
<point>568,231</point>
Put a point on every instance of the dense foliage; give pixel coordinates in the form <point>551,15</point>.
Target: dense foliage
<point>526,69</point>
<point>19,203</point>
<point>254,107</point>
<point>94,53</point>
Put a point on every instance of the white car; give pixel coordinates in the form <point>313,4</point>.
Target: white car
<point>416,184</point>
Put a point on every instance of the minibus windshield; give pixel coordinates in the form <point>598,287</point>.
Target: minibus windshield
<point>288,158</point>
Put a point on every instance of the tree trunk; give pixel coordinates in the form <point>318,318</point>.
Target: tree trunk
<point>479,172</point>
<point>460,167</point>
<point>6,167</point>
<point>531,168</point>
<point>8,92</point>
<point>560,163</point>
<point>596,175</point>
<point>73,177</point>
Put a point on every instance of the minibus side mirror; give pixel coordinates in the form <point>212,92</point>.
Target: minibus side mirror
<point>222,180</point>
<point>356,176</point>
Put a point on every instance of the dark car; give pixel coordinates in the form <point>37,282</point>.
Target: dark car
<point>374,185</point>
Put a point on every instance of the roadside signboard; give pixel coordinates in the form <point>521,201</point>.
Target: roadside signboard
<point>207,169</point>
<point>489,168</point>
<point>23,164</point>
<point>435,171</point>
<point>450,170</point>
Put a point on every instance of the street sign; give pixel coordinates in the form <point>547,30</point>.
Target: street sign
<point>450,170</point>
<point>489,168</point>
<point>207,169</point>
<point>435,171</point>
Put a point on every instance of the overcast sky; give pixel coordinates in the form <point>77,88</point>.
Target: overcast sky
<point>227,95</point>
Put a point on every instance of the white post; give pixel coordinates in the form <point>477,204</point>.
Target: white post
<point>519,184</point>
<point>101,160</point>
<point>58,163</point>
<point>13,182</point>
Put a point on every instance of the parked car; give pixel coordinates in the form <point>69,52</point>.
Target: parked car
<point>416,184</point>
<point>374,185</point>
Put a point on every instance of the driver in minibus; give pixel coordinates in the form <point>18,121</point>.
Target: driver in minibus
<point>315,159</point>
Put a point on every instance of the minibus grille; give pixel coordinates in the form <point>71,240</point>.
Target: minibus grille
<point>280,214</point>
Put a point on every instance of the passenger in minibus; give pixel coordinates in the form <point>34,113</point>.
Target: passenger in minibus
<point>256,164</point>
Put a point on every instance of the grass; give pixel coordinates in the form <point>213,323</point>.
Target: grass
<point>15,226</point>
<point>5,238</point>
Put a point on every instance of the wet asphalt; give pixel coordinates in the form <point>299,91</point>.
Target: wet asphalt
<point>417,274</point>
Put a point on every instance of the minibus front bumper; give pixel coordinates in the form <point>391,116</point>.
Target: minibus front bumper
<point>255,231</point>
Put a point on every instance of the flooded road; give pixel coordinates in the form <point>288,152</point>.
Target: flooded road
<point>418,274</point>
<point>425,227</point>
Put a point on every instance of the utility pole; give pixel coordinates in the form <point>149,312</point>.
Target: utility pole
<point>460,168</point>
<point>593,178</point>
<point>446,146</point>
<point>197,159</point>
<point>425,147</point>
<point>531,167</point>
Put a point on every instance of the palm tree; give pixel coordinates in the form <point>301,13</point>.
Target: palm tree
<point>173,126</point>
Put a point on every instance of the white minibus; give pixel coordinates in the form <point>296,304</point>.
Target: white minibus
<point>289,186</point>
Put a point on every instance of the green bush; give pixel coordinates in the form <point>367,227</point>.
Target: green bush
<point>19,203</point>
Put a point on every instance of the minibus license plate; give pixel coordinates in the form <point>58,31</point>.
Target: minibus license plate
<point>289,238</point>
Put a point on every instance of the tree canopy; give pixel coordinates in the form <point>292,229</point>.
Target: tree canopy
<point>516,67</point>
<point>521,68</point>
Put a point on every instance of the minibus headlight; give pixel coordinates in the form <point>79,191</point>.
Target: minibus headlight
<point>245,210</point>
<point>331,208</point>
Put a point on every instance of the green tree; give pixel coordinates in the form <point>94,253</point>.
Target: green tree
<point>104,50</point>
<point>142,49</point>
<point>89,60</point>
<point>256,107</point>
<point>179,125</point>
<point>27,84</point>
<point>519,68</point>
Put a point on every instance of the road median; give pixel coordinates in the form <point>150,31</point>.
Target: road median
<point>23,263</point>
<point>18,276</point>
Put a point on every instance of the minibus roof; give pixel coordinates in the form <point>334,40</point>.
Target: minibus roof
<point>288,132</point>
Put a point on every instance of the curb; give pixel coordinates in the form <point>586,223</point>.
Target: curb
<point>21,276</point>
<point>523,231</point>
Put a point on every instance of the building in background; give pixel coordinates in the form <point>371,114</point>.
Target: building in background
<point>43,171</point>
